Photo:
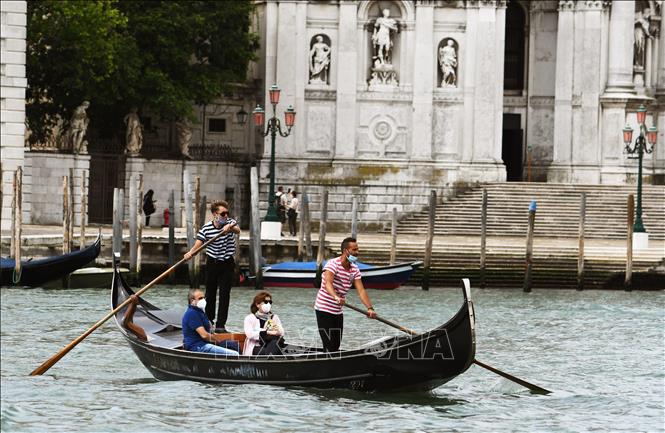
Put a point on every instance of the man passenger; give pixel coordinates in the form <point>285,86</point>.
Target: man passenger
<point>196,329</point>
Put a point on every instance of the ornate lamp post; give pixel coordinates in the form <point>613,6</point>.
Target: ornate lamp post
<point>273,128</point>
<point>640,147</point>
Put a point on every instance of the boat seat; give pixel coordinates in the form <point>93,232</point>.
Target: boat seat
<point>173,341</point>
<point>172,317</point>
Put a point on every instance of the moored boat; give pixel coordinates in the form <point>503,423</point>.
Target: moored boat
<point>303,274</point>
<point>414,362</point>
<point>40,271</point>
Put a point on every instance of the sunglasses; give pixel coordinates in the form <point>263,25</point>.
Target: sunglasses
<point>224,214</point>
<point>267,301</point>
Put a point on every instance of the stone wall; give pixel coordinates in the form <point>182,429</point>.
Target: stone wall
<point>12,105</point>
<point>44,172</point>
<point>219,180</point>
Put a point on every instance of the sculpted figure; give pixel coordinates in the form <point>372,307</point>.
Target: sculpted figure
<point>184,131</point>
<point>641,34</point>
<point>381,39</point>
<point>134,133</point>
<point>448,63</point>
<point>78,125</point>
<point>319,62</point>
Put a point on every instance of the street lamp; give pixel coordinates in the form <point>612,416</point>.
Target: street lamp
<point>273,127</point>
<point>640,147</point>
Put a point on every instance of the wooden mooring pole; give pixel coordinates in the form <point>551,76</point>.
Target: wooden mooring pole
<point>580,248</point>
<point>430,240</point>
<point>133,228</point>
<point>84,209</point>
<point>71,208</point>
<point>66,244</point>
<point>483,238</point>
<point>307,224</point>
<point>139,229</point>
<point>117,227</point>
<point>189,222</point>
<point>354,218</point>
<point>320,254</point>
<point>171,234</point>
<point>630,220</point>
<point>301,230</point>
<point>529,247</point>
<point>393,237</point>
<point>17,223</point>
<point>255,229</point>
<point>197,226</point>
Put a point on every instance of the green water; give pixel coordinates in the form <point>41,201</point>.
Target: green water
<point>600,352</point>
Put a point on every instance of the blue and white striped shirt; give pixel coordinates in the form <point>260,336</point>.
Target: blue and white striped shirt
<point>224,246</point>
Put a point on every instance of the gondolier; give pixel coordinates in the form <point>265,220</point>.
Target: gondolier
<point>338,276</point>
<point>220,266</point>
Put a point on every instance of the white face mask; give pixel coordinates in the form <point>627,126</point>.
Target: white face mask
<point>265,308</point>
<point>201,303</point>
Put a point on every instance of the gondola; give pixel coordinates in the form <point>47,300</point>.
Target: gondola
<point>404,362</point>
<point>38,272</point>
<point>303,274</point>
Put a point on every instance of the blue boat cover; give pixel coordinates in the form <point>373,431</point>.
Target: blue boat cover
<point>307,266</point>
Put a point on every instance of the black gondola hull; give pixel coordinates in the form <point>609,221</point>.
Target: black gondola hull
<point>38,272</point>
<point>421,362</point>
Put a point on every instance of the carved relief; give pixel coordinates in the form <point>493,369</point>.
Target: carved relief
<point>320,123</point>
<point>444,130</point>
<point>319,60</point>
<point>448,62</point>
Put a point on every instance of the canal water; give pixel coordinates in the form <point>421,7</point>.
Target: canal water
<point>600,352</point>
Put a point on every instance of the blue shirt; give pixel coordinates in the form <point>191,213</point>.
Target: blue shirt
<point>194,318</point>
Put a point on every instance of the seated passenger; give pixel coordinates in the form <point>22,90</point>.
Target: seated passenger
<point>196,329</point>
<point>263,329</point>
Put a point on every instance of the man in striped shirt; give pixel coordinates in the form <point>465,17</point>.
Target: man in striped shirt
<point>220,266</point>
<point>338,276</point>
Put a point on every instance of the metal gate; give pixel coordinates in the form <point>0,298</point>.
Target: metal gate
<point>107,171</point>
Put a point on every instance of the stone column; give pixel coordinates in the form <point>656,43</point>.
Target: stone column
<point>424,70</point>
<point>560,170</point>
<point>347,63</point>
<point>13,104</point>
<point>621,34</point>
<point>301,75</point>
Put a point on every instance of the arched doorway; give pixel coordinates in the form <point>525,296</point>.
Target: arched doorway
<point>514,72</point>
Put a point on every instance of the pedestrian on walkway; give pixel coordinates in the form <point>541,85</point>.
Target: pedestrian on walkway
<point>220,266</point>
<point>148,206</point>
<point>292,213</point>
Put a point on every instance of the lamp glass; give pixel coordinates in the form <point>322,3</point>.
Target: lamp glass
<point>241,116</point>
<point>641,114</point>
<point>290,116</point>
<point>652,135</point>
<point>274,94</point>
<point>259,115</point>
<point>627,135</point>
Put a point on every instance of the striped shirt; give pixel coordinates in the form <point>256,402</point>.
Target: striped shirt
<point>342,281</point>
<point>223,247</point>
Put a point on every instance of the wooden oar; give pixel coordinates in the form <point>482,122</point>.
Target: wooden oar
<point>55,358</point>
<point>524,383</point>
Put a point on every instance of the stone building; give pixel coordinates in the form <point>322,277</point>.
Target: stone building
<point>394,98</point>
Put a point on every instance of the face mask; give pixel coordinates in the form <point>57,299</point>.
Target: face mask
<point>265,308</point>
<point>221,221</point>
<point>352,258</point>
<point>201,304</point>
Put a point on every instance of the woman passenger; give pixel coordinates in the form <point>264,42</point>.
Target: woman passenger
<point>263,329</point>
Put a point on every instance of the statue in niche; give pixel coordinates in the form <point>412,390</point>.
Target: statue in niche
<point>319,61</point>
<point>184,131</point>
<point>383,43</point>
<point>383,75</point>
<point>78,125</point>
<point>448,64</point>
<point>642,32</point>
<point>134,133</point>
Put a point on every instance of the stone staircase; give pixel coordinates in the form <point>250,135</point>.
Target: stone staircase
<point>557,212</point>
<point>456,249</point>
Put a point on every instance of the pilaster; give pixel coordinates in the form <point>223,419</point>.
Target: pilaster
<point>287,75</point>
<point>347,64</point>
<point>621,35</point>
<point>423,83</point>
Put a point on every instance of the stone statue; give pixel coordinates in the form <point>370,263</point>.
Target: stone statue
<point>184,131</point>
<point>78,125</point>
<point>448,63</point>
<point>381,39</point>
<point>642,24</point>
<point>319,61</point>
<point>134,133</point>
